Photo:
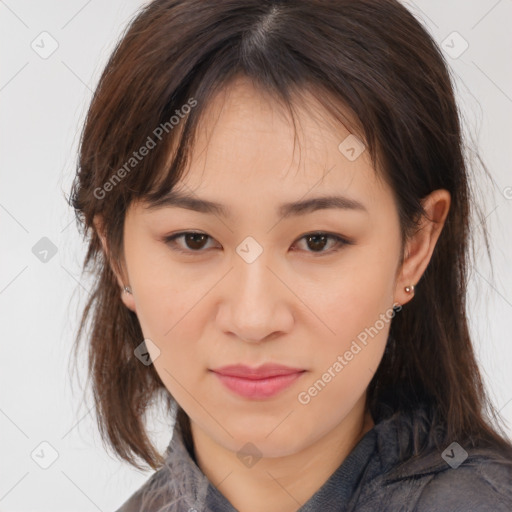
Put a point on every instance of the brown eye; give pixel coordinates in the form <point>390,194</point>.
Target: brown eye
<point>192,241</point>
<point>195,241</point>
<point>317,242</point>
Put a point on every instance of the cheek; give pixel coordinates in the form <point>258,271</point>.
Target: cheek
<point>355,347</point>
<point>344,363</point>
<point>173,311</point>
<point>162,295</point>
<point>356,308</point>
<point>354,297</point>
<point>169,317</point>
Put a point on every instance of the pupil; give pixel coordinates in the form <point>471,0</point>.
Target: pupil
<point>194,237</point>
<point>316,237</point>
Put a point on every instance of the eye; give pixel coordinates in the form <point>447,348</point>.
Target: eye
<point>195,242</point>
<point>319,240</point>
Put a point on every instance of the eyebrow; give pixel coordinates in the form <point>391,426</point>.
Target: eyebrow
<point>182,200</point>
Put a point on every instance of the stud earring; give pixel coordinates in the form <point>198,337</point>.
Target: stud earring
<point>409,289</point>
<point>127,289</point>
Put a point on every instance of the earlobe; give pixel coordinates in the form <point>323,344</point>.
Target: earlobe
<point>127,298</point>
<point>420,246</point>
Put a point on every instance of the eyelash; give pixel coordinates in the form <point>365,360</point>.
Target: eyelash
<point>340,241</point>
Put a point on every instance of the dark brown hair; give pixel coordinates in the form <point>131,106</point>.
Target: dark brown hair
<point>371,58</point>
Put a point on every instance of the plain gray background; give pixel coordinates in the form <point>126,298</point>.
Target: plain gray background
<point>43,102</point>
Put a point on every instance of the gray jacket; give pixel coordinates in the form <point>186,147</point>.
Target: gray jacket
<point>370,479</point>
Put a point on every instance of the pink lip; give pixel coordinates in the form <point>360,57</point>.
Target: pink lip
<point>262,382</point>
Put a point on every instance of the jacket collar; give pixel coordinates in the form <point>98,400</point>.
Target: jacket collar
<point>202,494</point>
<point>381,446</point>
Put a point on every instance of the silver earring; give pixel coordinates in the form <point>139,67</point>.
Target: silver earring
<point>409,289</point>
<point>127,289</point>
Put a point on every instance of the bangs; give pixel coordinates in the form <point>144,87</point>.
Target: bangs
<point>178,141</point>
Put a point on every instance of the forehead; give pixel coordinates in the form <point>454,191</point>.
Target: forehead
<point>248,148</point>
<point>245,132</point>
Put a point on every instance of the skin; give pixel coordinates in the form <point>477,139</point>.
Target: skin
<point>297,304</point>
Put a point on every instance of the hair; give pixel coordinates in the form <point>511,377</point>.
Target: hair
<point>370,58</point>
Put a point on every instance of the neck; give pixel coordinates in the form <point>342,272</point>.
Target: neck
<point>280,484</point>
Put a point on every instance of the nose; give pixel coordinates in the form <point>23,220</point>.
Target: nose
<point>256,305</point>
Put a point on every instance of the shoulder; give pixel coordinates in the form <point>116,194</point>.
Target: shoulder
<point>480,484</point>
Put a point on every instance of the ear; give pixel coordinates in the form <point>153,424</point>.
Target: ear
<point>420,246</point>
<point>118,268</point>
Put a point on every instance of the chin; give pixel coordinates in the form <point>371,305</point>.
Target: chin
<point>277,444</point>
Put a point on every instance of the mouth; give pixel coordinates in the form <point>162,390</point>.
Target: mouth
<point>257,383</point>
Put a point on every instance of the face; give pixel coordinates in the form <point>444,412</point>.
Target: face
<point>311,289</point>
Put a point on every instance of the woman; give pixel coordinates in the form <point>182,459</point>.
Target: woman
<point>308,328</point>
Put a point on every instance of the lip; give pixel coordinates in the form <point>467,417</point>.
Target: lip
<point>261,372</point>
<point>257,383</point>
